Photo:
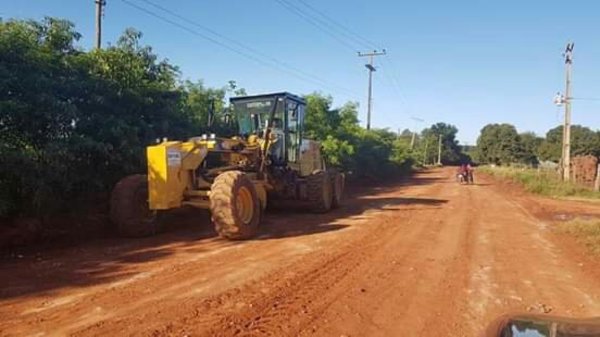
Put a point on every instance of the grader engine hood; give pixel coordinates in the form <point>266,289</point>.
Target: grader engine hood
<point>170,166</point>
<point>167,164</point>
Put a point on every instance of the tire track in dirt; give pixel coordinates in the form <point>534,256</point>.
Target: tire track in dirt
<point>177,291</point>
<point>297,300</point>
<point>411,290</point>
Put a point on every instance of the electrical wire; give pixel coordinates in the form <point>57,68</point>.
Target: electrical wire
<point>314,22</point>
<point>248,48</point>
<point>329,21</point>
<point>240,49</point>
<point>327,24</point>
<point>393,74</point>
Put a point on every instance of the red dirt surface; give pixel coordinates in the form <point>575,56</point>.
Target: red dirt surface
<point>427,257</point>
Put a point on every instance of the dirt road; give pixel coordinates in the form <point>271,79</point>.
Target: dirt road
<point>424,258</point>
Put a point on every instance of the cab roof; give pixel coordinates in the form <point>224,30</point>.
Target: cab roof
<point>284,94</point>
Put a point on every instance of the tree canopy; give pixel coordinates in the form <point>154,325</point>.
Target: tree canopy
<point>584,141</point>
<point>427,144</point>
<point>501,144</point>
<point>74,122</point>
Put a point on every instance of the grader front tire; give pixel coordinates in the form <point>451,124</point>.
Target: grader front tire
<point>129,207</point>
<point>235,206</point>
<point>320,191</point>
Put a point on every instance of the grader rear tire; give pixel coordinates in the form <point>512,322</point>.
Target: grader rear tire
<point>338,184</point>
<point>235,206</point>
<point>129,207</point>
<point>320,191</point>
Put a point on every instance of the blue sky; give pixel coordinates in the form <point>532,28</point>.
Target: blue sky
<point>468,63</point>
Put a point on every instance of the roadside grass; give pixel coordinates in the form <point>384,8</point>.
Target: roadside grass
<point>541,182</point>
<point>586,231</point>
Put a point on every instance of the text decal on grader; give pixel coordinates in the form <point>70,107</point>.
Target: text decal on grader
<point>233,177</point>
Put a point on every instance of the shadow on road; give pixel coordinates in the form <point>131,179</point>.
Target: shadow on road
<point>37,270</point>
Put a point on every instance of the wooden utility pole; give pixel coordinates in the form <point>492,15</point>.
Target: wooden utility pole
<point>371,69</point>
<point>566,152</point>
<point>425,153</point>
<point>99,14</point>
<point>439,161</point>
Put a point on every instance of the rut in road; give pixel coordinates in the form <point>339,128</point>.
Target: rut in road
<point>428,257</point>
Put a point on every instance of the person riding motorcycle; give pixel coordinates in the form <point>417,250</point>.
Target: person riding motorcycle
<point>465,173</point>
<point>469,173</point>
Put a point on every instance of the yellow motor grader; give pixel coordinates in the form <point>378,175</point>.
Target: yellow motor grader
<point>232,177</point>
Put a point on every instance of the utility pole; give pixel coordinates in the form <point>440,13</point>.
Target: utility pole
<point>414,135</point>
<point>99,14</point>
<point>371,69</point>
<point>425,153</point>
<point>439,161</point>
<point>566,153</point>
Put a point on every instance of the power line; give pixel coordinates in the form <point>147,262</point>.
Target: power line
<point>394,76</point>
<point>341,34</point>
<point>240,49</point>
<point>314,22</point>
<point>160,17</point>
<point>246,47</point>
<point>329,21</point>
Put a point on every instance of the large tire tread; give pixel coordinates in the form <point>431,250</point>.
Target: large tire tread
<point>132,218</point>
<point>320,201</point>
<point>223,203</point>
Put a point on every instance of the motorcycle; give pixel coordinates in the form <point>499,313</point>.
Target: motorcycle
<point>464,178</point>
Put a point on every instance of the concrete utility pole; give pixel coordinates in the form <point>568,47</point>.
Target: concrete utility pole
<point>439,161</point>
<point>371,70</point>
<point>566,153</point>
<point>425,153</point>
<point>99,14</point>
<point>414,135</point>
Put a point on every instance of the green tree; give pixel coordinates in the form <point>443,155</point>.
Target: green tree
<point>530,144</point>
<point>349,146</point>
<point>499,144</point>
<point>320,119</point>
<point>584,141</point>
<point>451,151</point>
<point>74,122</point>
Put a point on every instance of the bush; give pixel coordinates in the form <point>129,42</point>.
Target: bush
<point>346,145</point>
<point>71,122</point>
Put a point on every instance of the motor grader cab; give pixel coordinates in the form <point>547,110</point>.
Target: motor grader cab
<point>235,178</point>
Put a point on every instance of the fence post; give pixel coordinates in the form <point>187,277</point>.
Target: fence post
<point>597,183</point>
